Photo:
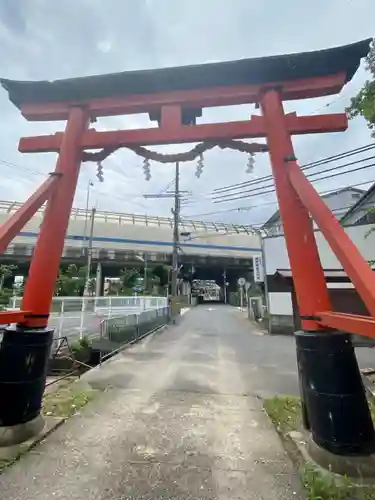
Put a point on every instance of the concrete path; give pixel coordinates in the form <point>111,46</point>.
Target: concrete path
<point>182,421</point>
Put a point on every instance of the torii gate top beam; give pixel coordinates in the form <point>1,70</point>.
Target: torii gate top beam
<point>302,75</point>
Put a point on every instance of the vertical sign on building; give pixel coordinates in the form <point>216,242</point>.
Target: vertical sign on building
<point>258,269</point>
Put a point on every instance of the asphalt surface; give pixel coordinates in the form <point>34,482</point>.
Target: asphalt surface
<point>180,420</point>
<point>271,357</point>
<point>271,353</point>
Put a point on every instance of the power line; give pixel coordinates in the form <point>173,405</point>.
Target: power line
<point>306,166</point>
<point>274,202</point>
<point>330,169</point>
<point>217,193</point>
<point>256,192</point>
<point>335,210</point>
<point>18,167</point>
<point>188,200</point>
<point>169,185</point>
<point>130,197</point>
<point>328,105</point>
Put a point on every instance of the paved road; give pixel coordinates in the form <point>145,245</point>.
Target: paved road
<point>181,421</point>
<point>271,354</point>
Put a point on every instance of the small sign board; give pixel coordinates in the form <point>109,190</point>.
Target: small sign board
<point>258,269</point>
<point>241,281</point>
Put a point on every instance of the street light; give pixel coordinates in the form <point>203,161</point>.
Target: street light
<point>89,185</point>
<point>89,253</point>
<point>185,234</point>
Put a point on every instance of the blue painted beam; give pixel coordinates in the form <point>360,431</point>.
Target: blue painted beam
<point>105,239</point>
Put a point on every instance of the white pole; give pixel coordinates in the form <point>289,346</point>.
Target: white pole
<point>264,274</point>
<point>86,214</point>
<point>241,295</point>
<point>89,254</point>
<point>61,322</point>
<point>225,286</point>
<point>83,309</point>
<point>145,273</point>
<point>61,318</point>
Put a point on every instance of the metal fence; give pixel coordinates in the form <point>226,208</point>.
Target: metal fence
<point>117,332</point>
<point>113,305</point>
<point>78,317</point>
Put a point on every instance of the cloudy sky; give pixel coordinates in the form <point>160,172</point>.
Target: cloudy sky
<point>45,39</point>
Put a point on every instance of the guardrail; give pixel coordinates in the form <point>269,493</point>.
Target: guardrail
<point>120,304</point>
<point>78,317</point>
<point>119,331</point>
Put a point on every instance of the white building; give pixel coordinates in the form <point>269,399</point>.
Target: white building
<point>360,227</point>
<point>339,202</point>
<point>360,212</point>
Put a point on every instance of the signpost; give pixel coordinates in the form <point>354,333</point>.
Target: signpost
<point>258,269</point>
<point>241,283</point>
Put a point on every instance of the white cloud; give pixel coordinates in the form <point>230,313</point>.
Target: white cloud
<point>49,40</point>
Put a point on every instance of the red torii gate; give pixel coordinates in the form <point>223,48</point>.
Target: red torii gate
<point>175,97</point>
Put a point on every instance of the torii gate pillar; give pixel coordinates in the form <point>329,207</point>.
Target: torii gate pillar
<point>329,376</point>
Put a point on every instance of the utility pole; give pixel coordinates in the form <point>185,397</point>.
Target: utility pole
<point>90,184</point>
<point>88,275</point>
<point>176,221</point>
<point>89,252</point>
<point>176,234</point>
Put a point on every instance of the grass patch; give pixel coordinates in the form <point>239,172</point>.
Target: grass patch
<point>63,400</point>
<point>321,487</point>
<point>67,399</point>
<point>285,414</point>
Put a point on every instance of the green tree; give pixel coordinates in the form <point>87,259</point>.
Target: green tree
<point>363,104</point>
<point>163,272</point>
<point>6,271</point>
<point>71,281</point>
<point>129,279</point>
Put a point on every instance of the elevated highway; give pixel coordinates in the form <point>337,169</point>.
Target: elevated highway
<point>119,237</point>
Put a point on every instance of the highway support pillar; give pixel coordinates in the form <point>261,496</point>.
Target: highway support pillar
<point>99,281</point>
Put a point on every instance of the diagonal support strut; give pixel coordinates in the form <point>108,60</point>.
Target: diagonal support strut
<point>17,221</point>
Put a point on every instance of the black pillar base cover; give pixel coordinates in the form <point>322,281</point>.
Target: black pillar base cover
<point>23,368</point>
<point>335,400</point>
